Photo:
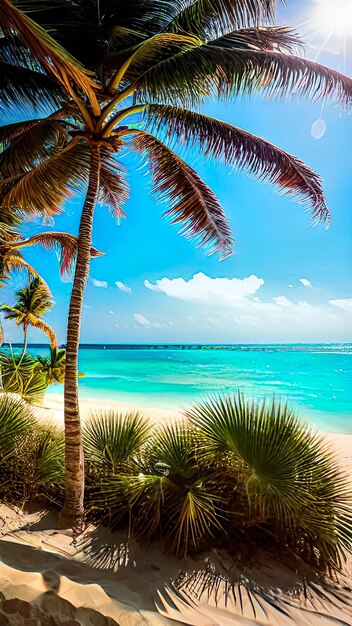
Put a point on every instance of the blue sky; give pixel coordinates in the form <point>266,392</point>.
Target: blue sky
<point>286,280</point>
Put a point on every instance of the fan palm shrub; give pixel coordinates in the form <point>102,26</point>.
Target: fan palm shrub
<point>294,487</point>
<point>112,448</point>
<point>31,455</point>
<point>112,439</point>
<point>16,419</point>
<point>41,451</point>
<point>151,66</point>
<point>169,492</point>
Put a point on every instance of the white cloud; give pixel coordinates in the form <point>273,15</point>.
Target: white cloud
<point>123,287</point>
<point>202,288</point>
<point>111,312</point>
<point>236,310</point>
<point>291,286</point>
<point>305,282</point>
<point>99,283</point>
<point>282,301</point>
<point>141,320</point>
<point>345,304</point>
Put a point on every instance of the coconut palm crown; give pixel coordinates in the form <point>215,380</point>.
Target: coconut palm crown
<point>32,302</point>
<point>151,65</point>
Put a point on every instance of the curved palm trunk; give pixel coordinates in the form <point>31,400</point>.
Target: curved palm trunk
<point>25,342</point>
<point>71,515</point>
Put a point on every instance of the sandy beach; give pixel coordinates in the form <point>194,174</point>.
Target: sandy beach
<point>107,579</point>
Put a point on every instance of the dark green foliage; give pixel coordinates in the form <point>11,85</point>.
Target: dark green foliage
<point>112,443</point>
<point>293,484</point>
<point>31,455</point>
<point>235,471</point>
<point>22,375</point>
<point>112,439</point>
<point>166,489</point>
<point>42,455</point>
<point>16,418</point>
<point>233,475</point>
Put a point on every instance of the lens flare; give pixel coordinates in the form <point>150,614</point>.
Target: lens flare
<point>335,16</point>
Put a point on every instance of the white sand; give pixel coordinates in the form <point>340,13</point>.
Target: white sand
<point>52,577</point>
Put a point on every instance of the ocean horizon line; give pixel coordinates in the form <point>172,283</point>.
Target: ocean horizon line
<point>192,345</point>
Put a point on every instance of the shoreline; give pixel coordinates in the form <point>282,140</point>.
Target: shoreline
<point>53,407</point>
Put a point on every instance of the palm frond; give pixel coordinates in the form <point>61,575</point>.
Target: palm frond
<point>12,313</point>
<point>114,189</point>
<point>36,322</point>
<point>112,438</point>
<point>14,262</point>
<point>136,60</point>
<point>193,204</point>
<point>239,148</point>
<point>44,189</point>
<point>266,38</point>
<point>214,16</point>
<point>9,132</point>
<point>32,91</point>
<point>53,57</point>
<point>64,244</point>
<point>41,141</point>
<point>191,76</point>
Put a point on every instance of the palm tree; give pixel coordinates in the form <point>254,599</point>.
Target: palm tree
<point>32,302</point>
<point>151,66</point>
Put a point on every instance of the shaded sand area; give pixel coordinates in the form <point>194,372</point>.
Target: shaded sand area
<point>104,579</point>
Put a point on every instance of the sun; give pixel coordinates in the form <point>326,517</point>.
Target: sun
<point>335,16</point>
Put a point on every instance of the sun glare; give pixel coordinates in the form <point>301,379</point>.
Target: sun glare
<point>335,16</point>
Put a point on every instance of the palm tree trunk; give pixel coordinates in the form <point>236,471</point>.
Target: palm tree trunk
<point>25,342</point>
<point>71,515</point>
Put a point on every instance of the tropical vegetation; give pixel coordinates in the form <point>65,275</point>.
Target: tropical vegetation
<point>232,475</point>
<point>24,374</point>
<point>150,67</point>
<point>32,302</point>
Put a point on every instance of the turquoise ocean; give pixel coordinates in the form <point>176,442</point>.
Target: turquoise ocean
<point>315,379</point>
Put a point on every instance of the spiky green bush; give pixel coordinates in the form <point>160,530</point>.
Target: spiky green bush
<point>16,418</point>
<point>175,495</point>
<point>111,440</point>
<point>294,487</point>
<point>232,472</point>
<point>42,453</point>
<point>168,493</point>
<point>31,455</point>
<point>112,448</point>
